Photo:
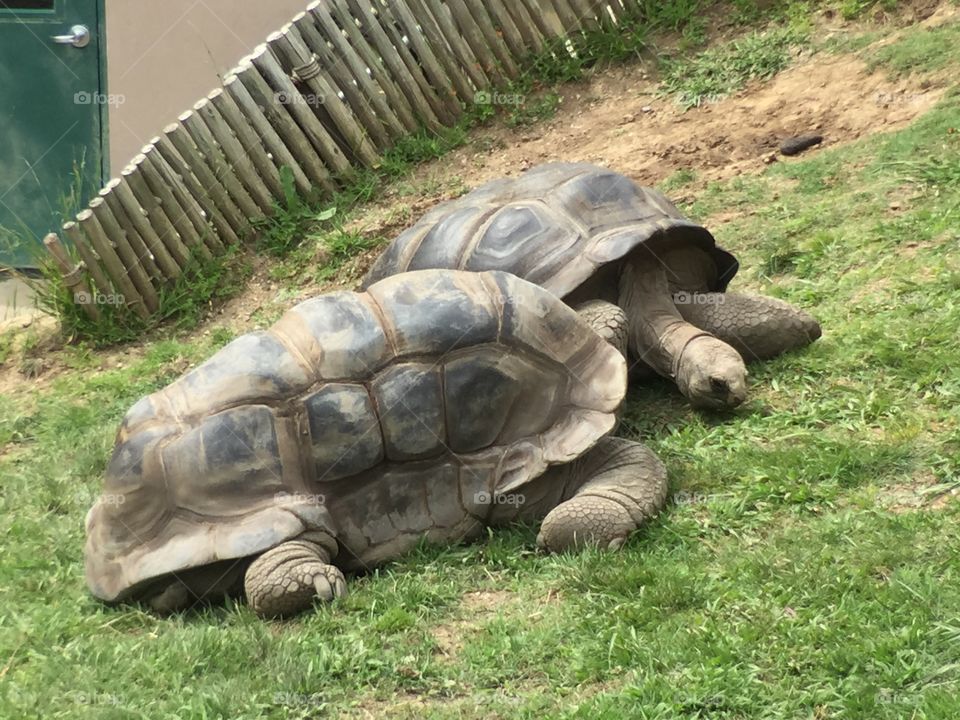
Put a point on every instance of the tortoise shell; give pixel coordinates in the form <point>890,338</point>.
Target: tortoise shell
<point>427,386</point>
<point>555,225</point>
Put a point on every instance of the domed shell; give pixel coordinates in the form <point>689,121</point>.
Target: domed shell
<point>223,463</point>
<point>555,225</point>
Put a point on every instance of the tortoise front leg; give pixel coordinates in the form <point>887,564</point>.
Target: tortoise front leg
<point>607,494</point>
<point>286,579</point>
<point>607,320</point>
<point>757,327</point>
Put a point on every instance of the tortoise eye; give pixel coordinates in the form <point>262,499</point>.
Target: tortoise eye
<point>719,386</point>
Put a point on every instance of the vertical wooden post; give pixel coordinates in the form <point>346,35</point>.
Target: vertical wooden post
<point>338,76</point>
<point>73,277</point>
<point>397,99</point>
<point>157,214</point>
<point>239,108</point>
<point>112,262</point>
<point>89,256</point>
<point>325,28</point>
<point>177,184</point>
<point>131,266</point>
<point>129,230</point>
<point>140,218</point>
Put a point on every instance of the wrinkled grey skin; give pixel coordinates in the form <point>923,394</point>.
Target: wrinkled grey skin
<point>432,405</point>
<point>584,232</point>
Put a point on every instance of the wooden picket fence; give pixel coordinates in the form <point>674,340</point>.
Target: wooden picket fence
<point>328,93</point>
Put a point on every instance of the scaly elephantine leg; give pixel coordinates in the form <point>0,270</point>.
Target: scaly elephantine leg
<point>757,327</point>
<point>707,370</point>
<point>607,320</point>
<point>285,580</point>
<point>609,492</point>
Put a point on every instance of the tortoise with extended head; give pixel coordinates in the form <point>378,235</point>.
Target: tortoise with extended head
<point>584,232</point>
<point>427,407</point>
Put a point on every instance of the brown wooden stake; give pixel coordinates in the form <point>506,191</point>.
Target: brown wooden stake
<point>437,96</point>
<point>74,276</point>
<point>239,108</point>
<point>324,27</point>
<point>408,82</point>
<point>508,30</point>
<point>285,117</point>
<point>157,214</point>
<point>443,70</point>
<point>246,143</point>
<point>140,218</point>
<point>137,243</point>
<point>568,18</point>
<point>132,264</point>
<point>112,263</point>
<point>236,156</point>
<point>209,184</point>
<point>473,35</point>
<point>529,29</point>
<point>585,13</point>
<point>339,76</point>
<point>89,257</point>
<point>547,20</point>
<point>459,47</point>
<point>494,41</point>
<point>164,162</point>
<point>293,56</point>
<point>397,100</point>
<point>208,152</point>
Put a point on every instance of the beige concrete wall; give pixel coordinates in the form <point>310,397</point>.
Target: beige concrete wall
<point>164,56</point>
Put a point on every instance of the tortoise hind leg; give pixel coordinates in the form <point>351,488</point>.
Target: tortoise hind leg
<point>286,579</point>
<point>758,327</point>
<point>609,492</point>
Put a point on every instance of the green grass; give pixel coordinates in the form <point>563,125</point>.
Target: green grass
<point>804,570</point>
<point>923,49</point>
<point>720,71</point>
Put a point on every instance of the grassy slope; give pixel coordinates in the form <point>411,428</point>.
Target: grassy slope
<point>779,585</point>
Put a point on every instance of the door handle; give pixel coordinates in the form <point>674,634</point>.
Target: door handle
<point>79,37</point>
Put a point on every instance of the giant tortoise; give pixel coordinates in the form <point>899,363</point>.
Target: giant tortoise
<point>585,232</point>
<point>360,424</point>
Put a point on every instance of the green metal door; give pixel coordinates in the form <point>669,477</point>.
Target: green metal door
<point>53,118</point>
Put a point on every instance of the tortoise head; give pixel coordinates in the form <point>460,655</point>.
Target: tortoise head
<point>712,374</point>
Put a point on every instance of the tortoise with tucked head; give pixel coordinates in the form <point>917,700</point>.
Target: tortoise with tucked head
<point>425,408</point>
<point>586,233</point>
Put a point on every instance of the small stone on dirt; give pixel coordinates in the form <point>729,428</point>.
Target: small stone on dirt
<point>796,145</point>
<point>646,109</point>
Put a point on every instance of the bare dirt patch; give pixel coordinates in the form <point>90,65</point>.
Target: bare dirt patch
<point>923,491</point>
<point>616,119</point>
<point>475,608</point>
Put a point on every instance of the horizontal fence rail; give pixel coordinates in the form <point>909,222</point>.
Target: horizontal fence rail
<point>327,94</point>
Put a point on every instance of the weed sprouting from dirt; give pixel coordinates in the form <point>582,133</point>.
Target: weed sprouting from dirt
<point>718,72</point>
